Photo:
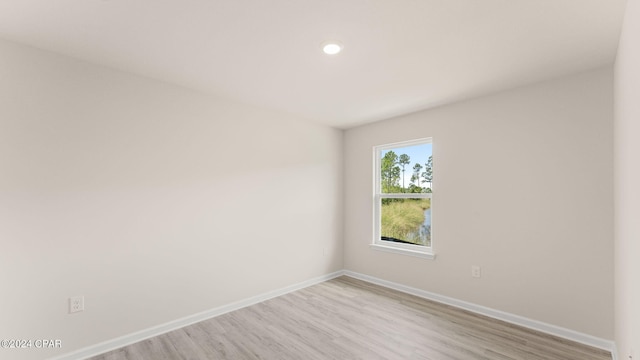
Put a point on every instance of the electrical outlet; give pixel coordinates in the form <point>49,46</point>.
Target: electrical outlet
<point>76,304</point>
<point>475,271</point>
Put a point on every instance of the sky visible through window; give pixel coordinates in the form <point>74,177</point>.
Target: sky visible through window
<point>417,154</point>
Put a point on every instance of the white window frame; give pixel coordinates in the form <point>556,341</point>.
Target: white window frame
<point>390,246</point>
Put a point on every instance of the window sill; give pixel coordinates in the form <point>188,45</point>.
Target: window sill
<point>420,254</point>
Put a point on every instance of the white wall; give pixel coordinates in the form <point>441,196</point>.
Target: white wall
<point>152,201</point>
<point>627,185</point>
<point>523,187</point>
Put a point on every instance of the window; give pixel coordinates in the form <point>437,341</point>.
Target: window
<point>402,198</point>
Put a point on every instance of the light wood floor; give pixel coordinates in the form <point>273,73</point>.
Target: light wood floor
<point>350,319</point>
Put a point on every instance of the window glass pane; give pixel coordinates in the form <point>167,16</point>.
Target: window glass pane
<point>406,169</point>
<point>406,221</point>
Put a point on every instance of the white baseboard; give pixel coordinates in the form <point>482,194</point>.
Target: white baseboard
<point>205,315</point>
<point>135,337</point>
<point>614,352</point>
<point>582,338</point>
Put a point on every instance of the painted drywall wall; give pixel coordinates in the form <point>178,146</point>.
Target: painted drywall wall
<point>152,201</point>
<point>627,188</point>
<point>523,187</point>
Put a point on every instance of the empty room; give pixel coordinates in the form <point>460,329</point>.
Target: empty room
<point>354,179</point>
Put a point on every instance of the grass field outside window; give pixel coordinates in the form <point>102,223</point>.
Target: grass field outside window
<point>403,195</point>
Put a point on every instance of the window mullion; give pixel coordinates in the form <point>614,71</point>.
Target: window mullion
<point>403,235</point>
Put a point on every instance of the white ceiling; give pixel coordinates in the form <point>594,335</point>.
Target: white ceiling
<point>399,55</point>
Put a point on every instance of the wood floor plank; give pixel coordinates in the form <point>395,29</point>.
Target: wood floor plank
<point>345,318</point>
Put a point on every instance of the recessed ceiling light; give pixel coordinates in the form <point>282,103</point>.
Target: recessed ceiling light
<point>331,47</point>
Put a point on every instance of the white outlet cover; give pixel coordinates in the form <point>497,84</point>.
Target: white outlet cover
<point>475,271</point>
<point>76,304</point>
